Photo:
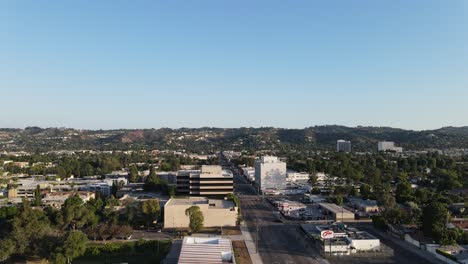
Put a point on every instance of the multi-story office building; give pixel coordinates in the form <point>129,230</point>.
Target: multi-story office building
<point>270,173</point>
<point>343,146</point>
<point>388,145</point>
<point>211,180</point>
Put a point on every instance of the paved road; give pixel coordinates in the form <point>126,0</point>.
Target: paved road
<point>282,243</point>
<point>278,243</point>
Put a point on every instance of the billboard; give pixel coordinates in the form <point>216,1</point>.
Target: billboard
<point>327,234</point>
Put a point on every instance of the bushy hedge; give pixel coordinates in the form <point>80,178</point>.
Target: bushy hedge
<point>141,251</point>
<point>379,222</point>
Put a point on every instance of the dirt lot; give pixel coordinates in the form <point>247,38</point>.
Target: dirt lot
<point>240,252</point>
<point>234,230</point>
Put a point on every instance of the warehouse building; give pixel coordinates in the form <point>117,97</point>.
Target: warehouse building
<point>335,212</point>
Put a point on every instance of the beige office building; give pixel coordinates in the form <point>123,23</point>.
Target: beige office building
<point>216,212</point>
<point>211,180</point>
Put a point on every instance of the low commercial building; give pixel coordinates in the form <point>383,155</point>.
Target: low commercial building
<point>290,208</point>
<point>229,154</point>
<point>313,198</point>
<point>294,176</point>
<point>362,241</point>
<point>366,206</point>
<point>57,199</point>
<point>344,241</point>
<point>25,187</point>
<point>337,213</point>
<point>388,146</point>
<point>249,173</point>
<point>104,188</point>
<point>216,212</point>
<point>206,250</point>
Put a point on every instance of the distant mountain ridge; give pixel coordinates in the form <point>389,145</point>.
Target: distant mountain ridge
<point>208,139</point>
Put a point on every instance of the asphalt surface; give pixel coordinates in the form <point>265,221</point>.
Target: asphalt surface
<point>279,243</point>
<point>283,242</point>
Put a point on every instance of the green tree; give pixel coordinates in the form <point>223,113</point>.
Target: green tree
<point>422,195</point>
<point>404,192</point>
<point>312,178</point>
<point>434,218</point>
<point>74,245</point>
<point>75,214</point>
<point>7,248</point>
<point>448,180</point>
<point>365,191</point>
<point>133,175</point>
<point>37,196</point>
<point>172,191</point>
<point>316,190</point>
<point>339,200</point>
<point>58,258</point>
<point>152,181</point>
<point>28,230</point>
<point>150,210</point>
<point>235,199</point>
<point>196,218</point>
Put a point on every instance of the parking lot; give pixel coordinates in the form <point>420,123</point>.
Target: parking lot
<point>294,208</point>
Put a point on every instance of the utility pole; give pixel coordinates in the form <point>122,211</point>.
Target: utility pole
<point>256,238</point>
<point>342,213</point>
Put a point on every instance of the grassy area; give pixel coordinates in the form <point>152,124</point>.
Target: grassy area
<point>240,252</point>
<point>130,252</point>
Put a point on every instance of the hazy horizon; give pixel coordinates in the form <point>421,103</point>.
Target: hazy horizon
<point>107,64</point>
<point>200,127</point>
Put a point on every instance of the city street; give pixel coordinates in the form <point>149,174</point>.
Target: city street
<point>278,243</point>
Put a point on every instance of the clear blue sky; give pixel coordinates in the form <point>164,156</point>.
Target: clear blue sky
<point>143,64</point>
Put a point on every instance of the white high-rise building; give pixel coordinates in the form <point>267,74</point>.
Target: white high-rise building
<point>343,146</point>
<point>388,145</point>
<point>270,173</point>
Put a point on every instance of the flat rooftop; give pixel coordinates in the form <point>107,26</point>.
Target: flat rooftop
<point>206,250</point>
<point>369,203</point>
<point>335,208</point>
<point>360,235</point>
<point>188,201</point>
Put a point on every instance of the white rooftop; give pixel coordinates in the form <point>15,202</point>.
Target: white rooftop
<point>206,250</point>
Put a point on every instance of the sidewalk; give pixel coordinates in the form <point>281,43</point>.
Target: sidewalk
<point>250,243</point>
<point>173,255</point>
